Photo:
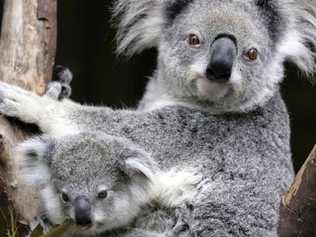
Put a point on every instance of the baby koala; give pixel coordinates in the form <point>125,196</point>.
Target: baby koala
<point>100,182</point>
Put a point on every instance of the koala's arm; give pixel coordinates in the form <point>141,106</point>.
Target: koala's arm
<point>52,116</point>
<point>242,198</point>
<point>62,117</point>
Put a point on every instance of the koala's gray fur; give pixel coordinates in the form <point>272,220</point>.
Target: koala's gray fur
<point>236,133</point>
<point>244,158</point>
<point>84,164</point>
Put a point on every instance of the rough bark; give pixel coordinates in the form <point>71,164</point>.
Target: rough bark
<point>27,51</point>
<point>298,206</point>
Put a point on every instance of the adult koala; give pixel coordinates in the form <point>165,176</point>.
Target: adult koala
<point>213,103</point>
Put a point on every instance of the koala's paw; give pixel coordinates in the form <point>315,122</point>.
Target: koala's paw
<point>59,88</point>
<point>62,74</point>
<point>58,91</point>
<point>19,103</point>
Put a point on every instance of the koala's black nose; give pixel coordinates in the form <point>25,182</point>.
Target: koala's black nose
<point>82,208</point>
<point>223,54</point>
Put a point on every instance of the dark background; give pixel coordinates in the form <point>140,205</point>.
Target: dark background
<point>86,45</point>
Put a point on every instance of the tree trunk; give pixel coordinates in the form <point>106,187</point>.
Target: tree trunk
<point>298,206</point>
<point>27,53</point>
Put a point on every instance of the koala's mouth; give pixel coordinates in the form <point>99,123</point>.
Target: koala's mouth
<point>213,90</point>
<point>85,227</point>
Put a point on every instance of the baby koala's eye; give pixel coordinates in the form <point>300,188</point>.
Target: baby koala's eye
<point>194,41</point>
<point>251,54</point>
<point>102,194</point>
<point>65,197</point>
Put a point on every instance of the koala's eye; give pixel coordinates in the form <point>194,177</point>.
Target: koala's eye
<point>194,41</point>
<point>65,197</point>
<point>102,194</point>
<point>251,54</point>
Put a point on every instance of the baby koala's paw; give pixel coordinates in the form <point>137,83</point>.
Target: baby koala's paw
<point>183,219</point>
<point>59,88</point>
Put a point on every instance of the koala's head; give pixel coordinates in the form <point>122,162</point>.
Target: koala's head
<point>227,54</point>
<point>99,182</point>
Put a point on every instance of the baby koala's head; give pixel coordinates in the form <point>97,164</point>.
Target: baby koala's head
<point>99,182</point>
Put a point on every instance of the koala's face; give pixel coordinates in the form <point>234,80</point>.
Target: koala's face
<point>225,54</point>
<point>222,52</point>
<point>97,181</point>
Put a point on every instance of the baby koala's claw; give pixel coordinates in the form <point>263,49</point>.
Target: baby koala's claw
<point>182,227</point>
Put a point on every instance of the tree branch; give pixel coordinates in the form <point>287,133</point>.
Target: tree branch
<point>27,53</point>
<point>298,206</point>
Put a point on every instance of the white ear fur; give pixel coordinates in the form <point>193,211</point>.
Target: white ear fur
<point>33,160</point>
<point>139,24</point>
<point>136,166</point>
<point>300,40</point>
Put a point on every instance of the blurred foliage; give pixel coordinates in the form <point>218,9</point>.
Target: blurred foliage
<point>8,221</point>
<point>57,231</point>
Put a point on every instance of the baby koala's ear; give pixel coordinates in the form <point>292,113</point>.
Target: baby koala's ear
<point>33,157</point>
<point>140,166</point>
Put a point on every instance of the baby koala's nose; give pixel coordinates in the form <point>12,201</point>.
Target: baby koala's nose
<point>223,54</point>
<point>82,208</point>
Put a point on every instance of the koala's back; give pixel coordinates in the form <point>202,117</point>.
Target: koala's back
<point>178,136</point>
<point>245,161</point>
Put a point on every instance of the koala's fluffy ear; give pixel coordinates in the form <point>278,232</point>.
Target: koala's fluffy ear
<point>34,158</point>
<point>139,24</point>
<point>299,43</point>
<point>140,166</point>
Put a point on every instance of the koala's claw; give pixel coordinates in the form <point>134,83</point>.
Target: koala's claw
<point>59,88</point>
<point>62,74</point>
<point>65,92</point>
